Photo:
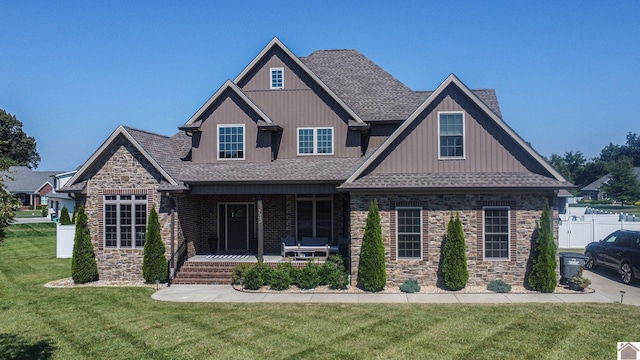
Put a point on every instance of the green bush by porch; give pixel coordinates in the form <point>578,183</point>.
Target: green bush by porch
<point>372,272</point>
<point>83,263</point>
<point>154,263</point>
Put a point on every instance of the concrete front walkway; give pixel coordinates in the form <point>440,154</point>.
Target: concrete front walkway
<point>226,294</point>
<point>606,284</point>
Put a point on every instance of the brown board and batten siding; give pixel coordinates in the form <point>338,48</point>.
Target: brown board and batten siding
<point>487,147</point>
<point>293,109</point>
<point>231,109</point>
<point>301,103</point>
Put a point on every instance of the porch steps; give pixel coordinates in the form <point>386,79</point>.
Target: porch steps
<point>205,273</point>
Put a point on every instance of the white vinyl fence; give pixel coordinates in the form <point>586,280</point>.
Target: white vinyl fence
<point>64,240</point>
<point>577,231</point>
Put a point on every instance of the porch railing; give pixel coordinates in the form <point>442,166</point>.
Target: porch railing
<point>180,256</point>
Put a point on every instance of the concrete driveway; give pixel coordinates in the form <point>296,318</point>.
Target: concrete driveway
<point>607,282</point>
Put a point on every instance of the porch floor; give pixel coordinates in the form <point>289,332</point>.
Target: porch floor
<point>240,258</point>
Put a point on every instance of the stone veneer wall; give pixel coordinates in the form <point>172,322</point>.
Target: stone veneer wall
<point>124,170</point>
<point>525,212</point>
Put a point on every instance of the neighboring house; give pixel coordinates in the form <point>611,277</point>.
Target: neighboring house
<point>31,187</point>
<point>299,146</point>
<point>58,200</point>
<point>593,191</point>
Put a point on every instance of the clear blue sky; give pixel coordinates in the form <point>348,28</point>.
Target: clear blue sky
<point>566,72</point>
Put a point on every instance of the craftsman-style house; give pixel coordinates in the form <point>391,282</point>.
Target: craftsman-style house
<point>298,147</point>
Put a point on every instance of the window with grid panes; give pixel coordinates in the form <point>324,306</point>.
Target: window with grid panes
<point>125,221</point>
<point>409,222</point>
<point>496,233</point>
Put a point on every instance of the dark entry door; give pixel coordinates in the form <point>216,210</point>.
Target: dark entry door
<point>237,227</point>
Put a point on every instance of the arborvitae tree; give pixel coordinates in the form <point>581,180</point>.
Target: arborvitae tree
<point>83,263</point>
<point>154,264</point>
<point>372,271</point>
<point>64,216</point>
<point>543,270</point>
<point>454,256</point>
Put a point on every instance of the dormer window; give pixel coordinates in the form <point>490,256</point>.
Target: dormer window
<point>277,78</point>
<point>451,135</point>
<point>230,142</point>
<point>315,141</point>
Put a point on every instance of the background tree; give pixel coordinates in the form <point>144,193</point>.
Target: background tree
<point>372,271</point>
<point>83,263</point>
<point>16,147</point>
<point>154,263</point>
<point>9,204</point>
<point>592,171</point>
<point>64,216</point>
<point>543,271</point>
<point>454,256</point>
<point>623,185</point>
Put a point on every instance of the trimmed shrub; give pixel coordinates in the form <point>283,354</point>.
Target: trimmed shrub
<point>154,263</point>
<point>252,280</point>
<point>543,270</point>
<point>83,263</point>
<point>43,212</point>
<point>338,280</point>
<point>454,256</point>
<point>258,276</point>
<point>64,216</point>
<point>287,267</point>
<point>410,286</point>
<point>325,270</point>
<point>498,286</point>
<point>237,276</point>
<point>372,272</point>
<point>280,280</point>
<point>307,277</point>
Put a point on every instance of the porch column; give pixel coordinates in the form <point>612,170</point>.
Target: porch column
<point>260,229</point>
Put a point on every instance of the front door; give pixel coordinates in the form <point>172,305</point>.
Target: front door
<point>236,226</point>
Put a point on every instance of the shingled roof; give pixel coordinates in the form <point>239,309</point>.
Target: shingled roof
<point>166,151</point>
<point>21,179</point>
<point>373,93</point>
<point>308,169</point>
<point>466,181</point>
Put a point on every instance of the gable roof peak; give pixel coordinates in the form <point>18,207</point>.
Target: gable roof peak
<point>276,42</point>
<point>228,85</point>
<point>126,132</point>
<point>453,79</point>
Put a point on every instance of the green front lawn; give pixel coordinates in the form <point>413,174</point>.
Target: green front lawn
<point>28,213</point>
<point>626,209</point>
<point>125,323</point>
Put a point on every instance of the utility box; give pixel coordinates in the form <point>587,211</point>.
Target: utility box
<point>570,263</point>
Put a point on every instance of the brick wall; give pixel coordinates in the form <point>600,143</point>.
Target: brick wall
<point>525,212</point>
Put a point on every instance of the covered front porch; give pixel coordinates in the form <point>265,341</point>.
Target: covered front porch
<point>235,224</point>
<point>216,232</point>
